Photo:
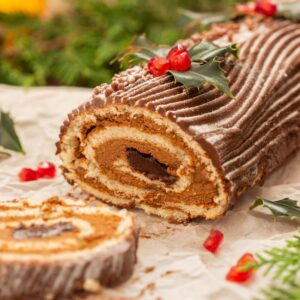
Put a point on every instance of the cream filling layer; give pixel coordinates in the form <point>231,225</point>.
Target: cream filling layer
<point>101,136</point>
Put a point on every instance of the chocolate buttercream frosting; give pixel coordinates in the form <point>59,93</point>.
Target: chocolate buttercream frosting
<point>53,249</point>
<point>146,142</point>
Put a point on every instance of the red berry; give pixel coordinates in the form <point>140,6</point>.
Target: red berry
<point>158,66</point>
<point>179,59</point>
<point>245,9</point>
<point>266,7</point>
<point>27,174</point>
<point>46,170</point>
<point>214,240</point>
<point>236,275</point>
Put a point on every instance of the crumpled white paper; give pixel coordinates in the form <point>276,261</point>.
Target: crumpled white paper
<point>172,262</point>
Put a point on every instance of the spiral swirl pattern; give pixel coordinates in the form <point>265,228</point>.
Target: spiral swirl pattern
<point>50,250</point>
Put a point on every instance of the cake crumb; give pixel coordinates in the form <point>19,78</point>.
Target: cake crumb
<point>149,269</point>
<point>167,273</point>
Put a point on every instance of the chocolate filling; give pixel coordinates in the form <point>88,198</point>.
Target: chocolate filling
<point>42,231</point>
<point>149,166</point>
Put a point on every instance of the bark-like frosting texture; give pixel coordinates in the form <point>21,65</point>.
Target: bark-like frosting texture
<point>51,250</point>
<point>145,142</point>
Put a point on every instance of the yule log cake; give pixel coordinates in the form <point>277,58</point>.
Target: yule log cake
<point>50,250</point>
<point>147,142</point>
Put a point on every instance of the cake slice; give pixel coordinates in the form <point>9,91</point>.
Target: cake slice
<point>51,250</point>
<point>146,142</point>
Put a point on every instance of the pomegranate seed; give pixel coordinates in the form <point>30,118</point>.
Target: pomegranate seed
<point>158,66</point>
<point>27,174</point>
<point>46,170</point>
<point>179,59</point>
<point>237,274</point>
<point>245,9</point>
<point>266,7</point>
<point>213,241</point>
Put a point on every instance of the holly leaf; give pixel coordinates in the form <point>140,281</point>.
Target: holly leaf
<point>280,208</point>
<point>289,10</point>
<point>141,49</point>
<point>133,56</point>
<point>200,74</point>
<point>141,42</point>
<point>207,50</point>
<point>8,136</point>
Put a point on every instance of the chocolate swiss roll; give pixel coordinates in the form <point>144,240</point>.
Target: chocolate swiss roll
<point>147,142</point>
<point>49,251</point>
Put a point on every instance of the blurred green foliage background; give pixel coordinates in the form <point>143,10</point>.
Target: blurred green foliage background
<point>76,48</point>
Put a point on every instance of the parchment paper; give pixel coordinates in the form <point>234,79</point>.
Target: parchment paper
<point>172,263</point>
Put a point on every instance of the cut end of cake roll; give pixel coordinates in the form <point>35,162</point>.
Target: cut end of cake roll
<point>61,246</point>
<point>134,157</point>
<point>146,142</point>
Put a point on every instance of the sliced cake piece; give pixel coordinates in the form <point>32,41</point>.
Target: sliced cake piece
<point>51,250</point>
<point>144,141</point>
